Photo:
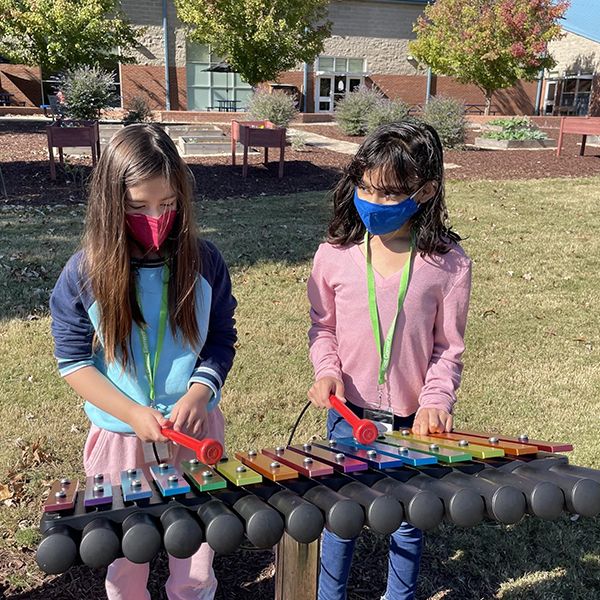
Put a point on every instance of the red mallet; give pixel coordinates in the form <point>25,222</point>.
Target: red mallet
<point>208,451</point>
<point>364,431</point>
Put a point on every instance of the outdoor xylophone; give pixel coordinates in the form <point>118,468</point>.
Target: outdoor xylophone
<point>462,477</point>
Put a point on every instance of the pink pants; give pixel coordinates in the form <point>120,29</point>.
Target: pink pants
<point>190,578</point>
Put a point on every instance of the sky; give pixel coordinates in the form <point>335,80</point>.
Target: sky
<point>583,18</point>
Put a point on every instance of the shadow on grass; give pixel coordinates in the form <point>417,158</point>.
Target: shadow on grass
<point>36,242</point>
<point>246,575</point>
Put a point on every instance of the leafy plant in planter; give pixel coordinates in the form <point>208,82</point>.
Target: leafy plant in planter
<point>277,107</point>
<point>514,128</point>
<point>86,91</point>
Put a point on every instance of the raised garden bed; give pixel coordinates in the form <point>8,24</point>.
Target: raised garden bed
<point>492,144</point>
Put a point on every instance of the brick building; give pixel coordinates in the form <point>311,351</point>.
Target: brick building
<point>369,44</point>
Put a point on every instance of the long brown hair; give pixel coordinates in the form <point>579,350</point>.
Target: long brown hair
<point>135,154</point>
<point>408,155</point>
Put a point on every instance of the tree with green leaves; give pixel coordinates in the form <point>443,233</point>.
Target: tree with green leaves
<point>258,38</point>
<point>490,43</point>
<point>63,34</point>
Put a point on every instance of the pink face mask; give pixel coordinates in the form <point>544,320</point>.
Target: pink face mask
<point>151,232</point>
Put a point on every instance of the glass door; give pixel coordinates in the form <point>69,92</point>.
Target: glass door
<point>324,89</point>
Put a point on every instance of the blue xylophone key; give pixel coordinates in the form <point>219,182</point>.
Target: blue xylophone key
<point>169,480</point>
<point>134,485</point>
<point>372,457</point>
<point>98,490</point>
<point>408,457</point>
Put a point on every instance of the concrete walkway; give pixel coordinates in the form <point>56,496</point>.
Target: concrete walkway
<point>320,141</point>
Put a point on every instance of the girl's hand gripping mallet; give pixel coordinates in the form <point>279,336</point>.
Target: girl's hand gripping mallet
<point>364,431</point>
<point>208,451</point>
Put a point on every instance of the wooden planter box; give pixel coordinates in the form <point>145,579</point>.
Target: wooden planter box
<point>491,144</point>
<point>72,134</point>
<point>262,134</point>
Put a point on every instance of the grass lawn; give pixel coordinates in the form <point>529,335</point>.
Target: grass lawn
<point>532,365</point>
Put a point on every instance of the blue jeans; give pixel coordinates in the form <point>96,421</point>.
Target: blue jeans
<point>336,553</point>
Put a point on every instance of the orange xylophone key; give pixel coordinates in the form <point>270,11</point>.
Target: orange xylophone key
<point>509,448</point>
<point>268,467</point>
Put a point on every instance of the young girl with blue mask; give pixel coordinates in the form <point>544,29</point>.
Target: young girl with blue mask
<point>389,294</point>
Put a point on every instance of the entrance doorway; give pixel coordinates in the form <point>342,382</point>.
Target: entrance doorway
<point>333,88</point>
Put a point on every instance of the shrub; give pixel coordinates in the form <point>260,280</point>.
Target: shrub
<point>447,117</point>
<point>138,112</point>
<point>277,107</point>
<point>298,141</point>
<point>86,90</point>
<point>386,112</point>
<point>353,112</point>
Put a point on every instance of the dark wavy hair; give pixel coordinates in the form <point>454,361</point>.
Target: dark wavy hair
<point>407,155</point>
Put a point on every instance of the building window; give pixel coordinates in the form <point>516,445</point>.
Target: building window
<point>205,88</point>
<point>331,64</point>
<point>575,93</point>
<point>336,77</point>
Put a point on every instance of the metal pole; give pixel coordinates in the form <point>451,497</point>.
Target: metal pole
<point>166,43</point>
<point>305,86</point>
<point>428,90</point>
<point>538,94</point>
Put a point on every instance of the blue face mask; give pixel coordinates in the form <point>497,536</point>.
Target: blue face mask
<point>380,219</point>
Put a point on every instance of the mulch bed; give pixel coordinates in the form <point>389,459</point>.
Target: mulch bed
<point>478,164</point>
<point>24,162</point>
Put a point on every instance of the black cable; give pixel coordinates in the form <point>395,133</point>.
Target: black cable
<point>298,421</point>
<point>158,461</point>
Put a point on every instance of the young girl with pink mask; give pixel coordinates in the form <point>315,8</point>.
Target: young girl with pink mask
<point>142,319</point>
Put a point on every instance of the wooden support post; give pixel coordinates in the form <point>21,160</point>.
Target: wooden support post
<point>296,569</point>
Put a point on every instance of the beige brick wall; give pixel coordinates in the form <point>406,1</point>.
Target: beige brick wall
<point>574,52</point>
<point>377,31</point>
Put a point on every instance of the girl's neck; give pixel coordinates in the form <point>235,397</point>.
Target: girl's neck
<point>136,252</point>
<point>396,241</point>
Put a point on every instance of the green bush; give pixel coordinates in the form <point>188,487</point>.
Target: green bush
<point>447,117</point>
<point>353,112</point>
<point>277,107</point>
<point>386,112</point>
<point>86,90</point>
<point>138,112</point>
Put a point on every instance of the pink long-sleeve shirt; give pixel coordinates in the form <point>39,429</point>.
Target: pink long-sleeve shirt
<point>426,361</point>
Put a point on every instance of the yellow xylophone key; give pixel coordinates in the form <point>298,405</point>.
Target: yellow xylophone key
<point>268,467</point>
<point>475,450</point>
<point>238,473</point>
<point>509,448</point>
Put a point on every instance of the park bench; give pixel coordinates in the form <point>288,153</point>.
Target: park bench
<point>583,126</point>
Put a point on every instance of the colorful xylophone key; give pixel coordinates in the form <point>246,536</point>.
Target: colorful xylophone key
<point>476,451</point>
<point>402,455</point>
<point>270,468</point>
<point>305,465</point>
<point>509,448</point>
<point>443,455</point>
<point>202,476</point>
<point>338,460</point>
<point>98,490</point>
<point>521,439</point>
<point>367,453</point>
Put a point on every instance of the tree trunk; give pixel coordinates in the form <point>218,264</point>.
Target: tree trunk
<point>488,102</point>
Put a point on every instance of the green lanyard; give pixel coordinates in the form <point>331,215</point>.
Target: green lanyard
<point>152,365</point>
<point>385,353</point>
